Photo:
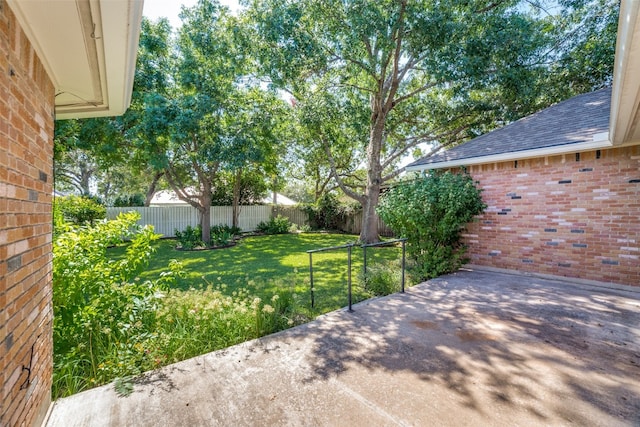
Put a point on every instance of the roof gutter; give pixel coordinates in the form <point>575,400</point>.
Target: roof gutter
<point>600,141</point>
<point>625,96</point>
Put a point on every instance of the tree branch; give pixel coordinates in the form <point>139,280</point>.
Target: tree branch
<point>355,196</point>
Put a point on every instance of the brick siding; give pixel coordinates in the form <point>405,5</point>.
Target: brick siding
<point>568,215</point>
<point>26,152</point>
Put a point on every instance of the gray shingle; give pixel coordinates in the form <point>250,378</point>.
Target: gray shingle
<point>573,121</point>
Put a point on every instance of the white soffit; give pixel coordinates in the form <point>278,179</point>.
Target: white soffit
<point>625,98</point>
<point>88,48</point>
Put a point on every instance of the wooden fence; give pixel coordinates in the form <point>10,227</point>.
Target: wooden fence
<point>167,219</point>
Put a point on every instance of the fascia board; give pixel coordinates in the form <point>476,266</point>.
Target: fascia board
<point>597,143</point>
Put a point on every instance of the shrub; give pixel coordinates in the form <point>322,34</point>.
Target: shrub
<point>98,307</point>
<point>431,213</point>
<point>80,210</point>
<point>129,200</point>
<point>190,238</point>
<point>277,225</point>
<point>382,280</point>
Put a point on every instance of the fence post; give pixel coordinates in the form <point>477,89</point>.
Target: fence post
<point>403,262</point>
<point>311,278</point>
<point>364,261</point>
<point>349,273</point>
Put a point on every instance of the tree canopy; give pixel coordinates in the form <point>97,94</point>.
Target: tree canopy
<point>385,77</point>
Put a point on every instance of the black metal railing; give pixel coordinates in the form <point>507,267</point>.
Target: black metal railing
<point>349,247</point>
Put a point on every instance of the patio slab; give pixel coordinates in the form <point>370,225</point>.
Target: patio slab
<point>470,349</point>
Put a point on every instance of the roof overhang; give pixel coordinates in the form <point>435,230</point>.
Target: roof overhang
<point>625,99</point>
<point>88,48</point>
<point>600,141</point>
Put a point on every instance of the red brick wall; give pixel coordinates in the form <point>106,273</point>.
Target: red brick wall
<point>562,215</point>
<point>26,152</point>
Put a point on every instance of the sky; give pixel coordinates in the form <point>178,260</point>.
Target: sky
<point>154,9</point>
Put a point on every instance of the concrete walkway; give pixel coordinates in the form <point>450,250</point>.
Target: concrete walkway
<point>470,349</point>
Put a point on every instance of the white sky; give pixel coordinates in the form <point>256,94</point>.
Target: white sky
<point>170,9</point>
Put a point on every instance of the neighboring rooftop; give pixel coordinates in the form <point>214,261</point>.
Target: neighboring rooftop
<point>579,123</point>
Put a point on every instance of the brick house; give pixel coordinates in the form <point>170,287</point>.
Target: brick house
<point>58,59</point>
<point>563,185</point>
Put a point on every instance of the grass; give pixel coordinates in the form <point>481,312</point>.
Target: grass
<point>124,326</point>
<point>266,264</point>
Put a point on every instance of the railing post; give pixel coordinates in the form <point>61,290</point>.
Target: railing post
<point>364,261</point>
<point>403,262</point>
<point>311,278</point>
<point>349,273</point>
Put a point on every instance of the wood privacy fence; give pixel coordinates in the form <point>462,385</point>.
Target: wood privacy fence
<point>167,219</point>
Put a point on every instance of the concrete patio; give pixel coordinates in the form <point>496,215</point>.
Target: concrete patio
<point>469,349</point>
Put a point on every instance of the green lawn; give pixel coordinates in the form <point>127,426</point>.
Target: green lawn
<point>265,264</point>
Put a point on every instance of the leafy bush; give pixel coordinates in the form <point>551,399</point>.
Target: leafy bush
<point>98,306</point>
<point>382,280</point>
<point>79,210</point>
<point>129,200</point>
<point>277,225</point>
<point>431,213</point>
<point>326,213</point>
<point>190,238</point>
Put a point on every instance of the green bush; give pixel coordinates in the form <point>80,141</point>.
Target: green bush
<point>98,307</point>
<point>191,237</point>
<point>382,280</point>
<point>277,225</point>
<point>79,210</point>
<point>126,201</point>
<point>431,213</point>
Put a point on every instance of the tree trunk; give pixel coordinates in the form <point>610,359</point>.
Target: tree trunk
<point>369,230</point>
<point>237,186</point>
<point>152,188</point>
<point>205,220</point>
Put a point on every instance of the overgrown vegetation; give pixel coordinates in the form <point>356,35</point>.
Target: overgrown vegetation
<point>382,279</point>
<point>108,323</point>
<point>328,213</point>
<point>431,213</point>
<point>277,225</point>
<point>80,210</point>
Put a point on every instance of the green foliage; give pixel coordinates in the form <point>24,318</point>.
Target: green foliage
<point>98,306</point>
<point>129,200</point>
<point>431,213</point>
<point>191,237</point>
<point>383,279</point>
<point>277,225</point>
<point>79,210</point>
<point>328,213</point>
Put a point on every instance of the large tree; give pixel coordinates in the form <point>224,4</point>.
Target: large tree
<point>215,117</point>
<point>413,71</point>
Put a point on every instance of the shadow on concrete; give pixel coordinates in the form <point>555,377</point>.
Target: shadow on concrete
<point>497,334</point>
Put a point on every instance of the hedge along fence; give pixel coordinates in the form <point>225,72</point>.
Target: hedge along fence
<point>166,219</point>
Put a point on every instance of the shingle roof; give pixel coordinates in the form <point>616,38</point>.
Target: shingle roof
<point>573,121</point>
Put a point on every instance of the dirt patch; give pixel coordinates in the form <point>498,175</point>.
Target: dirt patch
<point>467,336</point>
<point>424,324</point>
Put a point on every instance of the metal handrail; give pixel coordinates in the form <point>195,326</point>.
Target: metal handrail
<point>349,247</point>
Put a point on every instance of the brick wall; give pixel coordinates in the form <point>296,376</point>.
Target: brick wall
<point>26,151</point>
<point>573,215</point>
